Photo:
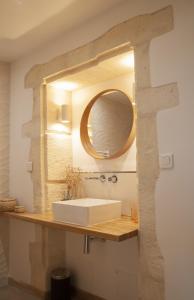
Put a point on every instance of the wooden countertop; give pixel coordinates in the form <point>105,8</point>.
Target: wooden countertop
<point>116,230</point>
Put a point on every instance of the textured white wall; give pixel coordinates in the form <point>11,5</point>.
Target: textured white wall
<point>4,160</point>
<point>58,147</point>
<point>4,128</point>
<point>171,60</point>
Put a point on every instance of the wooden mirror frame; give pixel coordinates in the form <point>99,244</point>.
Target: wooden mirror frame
<point>85,139</point>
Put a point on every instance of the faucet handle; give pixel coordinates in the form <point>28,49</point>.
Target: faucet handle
<point>113,178</point>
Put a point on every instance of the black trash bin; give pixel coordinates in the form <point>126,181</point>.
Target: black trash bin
<point>60,284</point>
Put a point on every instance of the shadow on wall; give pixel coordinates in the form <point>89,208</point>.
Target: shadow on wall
<point>4,166</point>
<point>4,251</point>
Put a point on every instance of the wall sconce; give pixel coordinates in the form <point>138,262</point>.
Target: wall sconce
<point>59,117</point>
<point>64,117</point>
<point>64,114</point>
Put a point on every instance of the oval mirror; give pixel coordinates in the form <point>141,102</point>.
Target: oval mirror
<point>107,125</point>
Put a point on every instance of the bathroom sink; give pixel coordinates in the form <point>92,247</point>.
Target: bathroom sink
<point>86,211</point>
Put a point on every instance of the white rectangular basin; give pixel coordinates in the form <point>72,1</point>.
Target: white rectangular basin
<point>86,211</point>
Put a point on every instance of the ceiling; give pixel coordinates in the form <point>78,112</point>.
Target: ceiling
<point>28,24</point>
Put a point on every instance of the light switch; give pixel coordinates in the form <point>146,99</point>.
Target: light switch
<point>166,161</point>
<point>29,166</point>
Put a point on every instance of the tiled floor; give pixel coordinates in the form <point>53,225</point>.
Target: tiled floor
<point>13,293</point>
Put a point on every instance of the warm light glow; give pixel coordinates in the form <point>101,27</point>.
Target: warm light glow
<point>65,85</point>
<point>58,97</point>
<point>128,60</point>
<point>58,128</point>
<point>65,121</point>
<point>57,135</point>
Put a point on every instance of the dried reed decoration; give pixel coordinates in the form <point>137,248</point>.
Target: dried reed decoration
<point>72,180</point>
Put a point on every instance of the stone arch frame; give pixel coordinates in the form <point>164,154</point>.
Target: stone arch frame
<point>135,33</point>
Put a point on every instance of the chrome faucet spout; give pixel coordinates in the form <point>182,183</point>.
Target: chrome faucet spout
<point>102,178</point>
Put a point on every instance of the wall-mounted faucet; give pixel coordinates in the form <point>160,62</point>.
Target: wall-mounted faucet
<point>102,178</point>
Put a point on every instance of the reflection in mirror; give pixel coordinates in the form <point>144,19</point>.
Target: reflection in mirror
<point>107,129</point>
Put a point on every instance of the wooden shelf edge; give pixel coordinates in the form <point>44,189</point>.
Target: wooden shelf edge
<point>116,230</point>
